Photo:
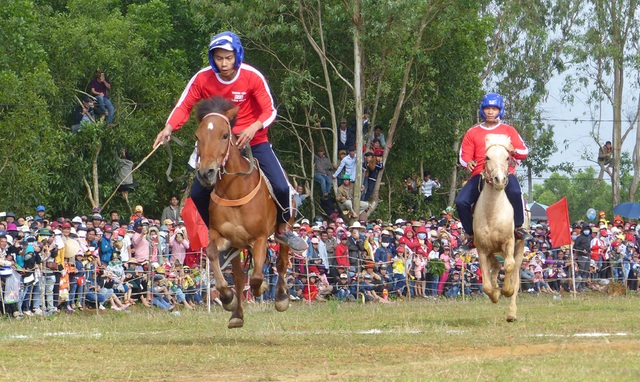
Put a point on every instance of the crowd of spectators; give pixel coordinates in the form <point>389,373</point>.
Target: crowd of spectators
<point>95,261</point>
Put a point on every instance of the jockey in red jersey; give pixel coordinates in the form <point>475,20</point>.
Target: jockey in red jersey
<point>472,157</point>
<point>231,78</point>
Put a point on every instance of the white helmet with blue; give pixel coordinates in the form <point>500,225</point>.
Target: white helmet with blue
<point>227,41</point>
<point>492,99</point>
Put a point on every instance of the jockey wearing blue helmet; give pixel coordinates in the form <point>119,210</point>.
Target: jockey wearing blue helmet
<point>492,99</point>
<point>228,76</point>
<point>472,157</point>
<point>227,41</point>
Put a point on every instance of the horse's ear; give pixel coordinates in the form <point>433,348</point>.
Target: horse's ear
<point>231,113</point>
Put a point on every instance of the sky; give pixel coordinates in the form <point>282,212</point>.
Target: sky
<point>573,139</point>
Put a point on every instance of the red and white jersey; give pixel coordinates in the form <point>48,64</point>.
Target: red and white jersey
<point>249,90</point>
<point>473,145</point>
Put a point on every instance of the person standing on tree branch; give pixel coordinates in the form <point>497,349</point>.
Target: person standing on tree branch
<point>472,157</point>
<point>99,86</point>
<point>604,160</point>
<point>231,78</point>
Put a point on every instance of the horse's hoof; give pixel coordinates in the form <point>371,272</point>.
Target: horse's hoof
<point>495,296</point>
<point>282,305</point>
<point>507,292</point>
<point>235,323</point>
<point>232,305</point>
<point>264,287</point>
<point>512,319</point>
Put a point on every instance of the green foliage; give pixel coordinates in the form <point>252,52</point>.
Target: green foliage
<point>581,191</point>
<point>436,267</point>
<point>150,48</point>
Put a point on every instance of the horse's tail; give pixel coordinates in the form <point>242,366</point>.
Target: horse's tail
<point>248,260</point>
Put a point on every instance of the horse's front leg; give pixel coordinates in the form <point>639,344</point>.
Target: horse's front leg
<point>515,281</point>
<point>237,316</point>
<point>509,269</point>
<point>487,285</point>
<point>226,293</point>
<point>257,282</point>
<point>282,292</point>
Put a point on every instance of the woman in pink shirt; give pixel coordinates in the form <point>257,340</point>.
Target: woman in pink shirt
<point>179,245</point>
<point>139,240</point>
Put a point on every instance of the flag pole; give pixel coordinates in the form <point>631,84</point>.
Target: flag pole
<point>573,277</point>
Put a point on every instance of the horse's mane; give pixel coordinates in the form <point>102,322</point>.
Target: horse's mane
<point>498,139</point>
<point>213,105</point>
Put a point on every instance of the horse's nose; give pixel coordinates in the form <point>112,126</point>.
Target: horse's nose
<point>207,176</point>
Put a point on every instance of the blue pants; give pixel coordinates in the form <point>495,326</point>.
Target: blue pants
<point>92,297</point>
<point>270,165</point>
<point>161,303</point>
<point>369,185</point>
<point>325,182</point>
<point>432,284</point>
<point>106,105</point>
<point>470,193</point>
<point>400,282</point>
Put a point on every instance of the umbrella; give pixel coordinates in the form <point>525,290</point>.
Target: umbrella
<point>628,210</point>
<point>538,211</point>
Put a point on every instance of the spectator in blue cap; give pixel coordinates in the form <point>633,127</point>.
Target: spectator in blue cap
<point>40,211</point>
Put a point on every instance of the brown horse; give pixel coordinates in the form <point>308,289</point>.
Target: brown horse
<point>242,213</point>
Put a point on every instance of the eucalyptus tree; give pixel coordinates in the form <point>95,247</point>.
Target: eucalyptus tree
<point>525,50</point>
<point>604,52</point>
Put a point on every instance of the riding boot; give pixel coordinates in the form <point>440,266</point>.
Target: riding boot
<point>522,234</point>
<point>296,243</point>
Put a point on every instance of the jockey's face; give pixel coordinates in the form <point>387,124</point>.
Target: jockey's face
<point>491,112</point>
<point>225,61</point>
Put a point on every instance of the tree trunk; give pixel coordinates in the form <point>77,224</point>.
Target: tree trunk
<point>618,85</point>
<point>357,84</point>
<point>429,14</point>
<point>453,181</point>
<point>94,194</point>
<point>530,184</point>
<point>636,159</point>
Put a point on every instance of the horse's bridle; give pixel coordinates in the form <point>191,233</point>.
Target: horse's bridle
<point>226,156</point>
<point>485,175</point>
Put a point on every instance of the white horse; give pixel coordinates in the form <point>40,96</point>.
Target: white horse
<point>493,225</point>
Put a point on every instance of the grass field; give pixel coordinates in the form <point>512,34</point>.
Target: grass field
<point>591,338</point>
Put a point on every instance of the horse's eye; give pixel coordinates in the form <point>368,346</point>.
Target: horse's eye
<point>225,136</point>
<point>487,159</point>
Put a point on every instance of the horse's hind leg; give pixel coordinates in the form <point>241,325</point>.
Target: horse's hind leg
<point>237,316</point>
<point>282,292</point>
<point>257,282</point>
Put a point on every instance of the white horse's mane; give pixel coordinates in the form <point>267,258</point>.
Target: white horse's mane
<point>498,139</point>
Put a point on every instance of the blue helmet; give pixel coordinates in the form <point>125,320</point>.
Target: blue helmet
<point>227,41</point>
<point>492,99</point>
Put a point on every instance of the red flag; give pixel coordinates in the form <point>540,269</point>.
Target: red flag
<point>559,227</point>
<point>196,229</point>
